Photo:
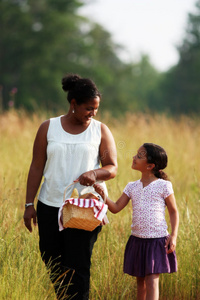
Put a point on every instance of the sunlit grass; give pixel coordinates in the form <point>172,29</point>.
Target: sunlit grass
<point>22,273</point>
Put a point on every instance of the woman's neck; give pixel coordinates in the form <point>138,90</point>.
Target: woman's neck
<point>72,125</point>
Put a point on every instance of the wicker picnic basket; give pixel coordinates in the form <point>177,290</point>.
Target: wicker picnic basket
<point>78,217</point>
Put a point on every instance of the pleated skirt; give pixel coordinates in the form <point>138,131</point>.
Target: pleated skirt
<point>148,256</point>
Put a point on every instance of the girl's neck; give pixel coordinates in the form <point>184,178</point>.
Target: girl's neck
<point>147,178</point>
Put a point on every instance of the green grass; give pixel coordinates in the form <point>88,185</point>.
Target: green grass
<point>22,273</point>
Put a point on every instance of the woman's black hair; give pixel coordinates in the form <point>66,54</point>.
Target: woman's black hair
<point>80,89</point>
<point>156,155</point>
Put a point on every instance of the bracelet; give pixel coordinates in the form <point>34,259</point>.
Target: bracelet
<point>95,174</point>
<point>29,204</point>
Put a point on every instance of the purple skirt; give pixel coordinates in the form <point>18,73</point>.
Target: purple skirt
<point>148,256</point>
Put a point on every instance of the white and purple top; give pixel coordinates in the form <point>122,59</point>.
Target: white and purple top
<point>148,219</point>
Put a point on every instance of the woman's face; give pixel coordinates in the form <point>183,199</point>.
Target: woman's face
<point>84,112</point>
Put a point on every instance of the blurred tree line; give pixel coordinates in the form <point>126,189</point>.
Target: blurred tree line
<point>42,40</point>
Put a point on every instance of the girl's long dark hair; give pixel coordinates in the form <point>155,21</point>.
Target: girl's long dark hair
<point>157,155</point>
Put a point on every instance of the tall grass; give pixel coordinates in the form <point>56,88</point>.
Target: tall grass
<point>22,273</point>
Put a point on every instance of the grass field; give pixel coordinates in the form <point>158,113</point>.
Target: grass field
<point>22,273</point>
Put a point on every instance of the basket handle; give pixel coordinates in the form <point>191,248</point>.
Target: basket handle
<point>104,200</point>
<point>67,189</point>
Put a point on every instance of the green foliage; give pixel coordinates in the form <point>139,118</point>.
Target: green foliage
<point>35,36</point>
<point>41,41</point>
<point>181,89</point>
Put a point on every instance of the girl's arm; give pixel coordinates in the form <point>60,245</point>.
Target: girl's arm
<point>174,220</point>
<point>114,207</point>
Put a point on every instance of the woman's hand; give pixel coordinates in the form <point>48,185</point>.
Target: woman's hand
<point>87,178</point>
<point>30,213</point>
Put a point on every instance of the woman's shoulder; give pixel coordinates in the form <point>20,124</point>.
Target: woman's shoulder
<point>106,133</point>
<point>41,135</point>
<point>44,126</point>
<point>96,121</point>
<point>55,119</point>
<point>52,119</point>
<point>95,124</point>
<point>104,127</point>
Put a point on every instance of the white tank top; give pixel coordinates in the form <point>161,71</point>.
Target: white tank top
<point>68,156</point>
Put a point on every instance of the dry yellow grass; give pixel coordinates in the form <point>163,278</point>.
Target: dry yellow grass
<point>22,274</point>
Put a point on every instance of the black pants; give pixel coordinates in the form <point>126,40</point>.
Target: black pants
<point>66,253</point>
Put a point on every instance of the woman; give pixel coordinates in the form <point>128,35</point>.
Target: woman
<point>70,147</point>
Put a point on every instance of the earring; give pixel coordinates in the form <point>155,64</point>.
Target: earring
<point>73,111</point>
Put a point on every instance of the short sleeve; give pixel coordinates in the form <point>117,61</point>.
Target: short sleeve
<point>128,189</point>
<point>168,189</point>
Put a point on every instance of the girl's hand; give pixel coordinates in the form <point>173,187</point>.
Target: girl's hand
<point>170,244</point>
<point>174,220</point>
<point>100,190</point>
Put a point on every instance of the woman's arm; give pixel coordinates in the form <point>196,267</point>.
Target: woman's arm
<point>108,158</point>
<point>174,220</point>
<point>108,155</point>
<point>114,207</point>
<point>36,173</point>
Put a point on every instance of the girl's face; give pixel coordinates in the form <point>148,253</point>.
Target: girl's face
<point>140,160</point>
<point>84,112</point>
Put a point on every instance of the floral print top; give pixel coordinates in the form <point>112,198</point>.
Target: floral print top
<point>148,218</point>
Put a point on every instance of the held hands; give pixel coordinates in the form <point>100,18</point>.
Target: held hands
<point>170,244</point>
<point>29,214</point>
<point>100,190</point>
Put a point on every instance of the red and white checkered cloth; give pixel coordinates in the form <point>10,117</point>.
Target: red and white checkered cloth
<point>99,208</point>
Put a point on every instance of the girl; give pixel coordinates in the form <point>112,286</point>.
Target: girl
<point>150,249</point>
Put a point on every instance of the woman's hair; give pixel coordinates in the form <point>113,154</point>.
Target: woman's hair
<point>80,89</point>
<point>156,155</point>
